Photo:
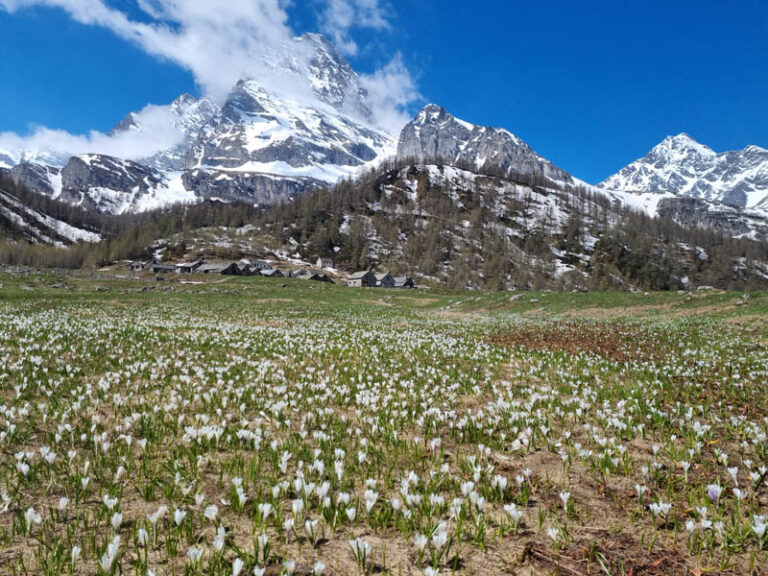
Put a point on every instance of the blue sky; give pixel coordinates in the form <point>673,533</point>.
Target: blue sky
<point>591,85</point>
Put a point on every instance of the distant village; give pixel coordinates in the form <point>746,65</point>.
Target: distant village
<point>363,279</point>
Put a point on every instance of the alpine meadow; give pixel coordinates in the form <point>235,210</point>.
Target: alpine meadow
<point>301,428</point>
<point>383,288</point>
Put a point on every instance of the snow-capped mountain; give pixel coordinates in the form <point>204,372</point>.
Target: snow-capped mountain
<point>259,132</point>
<point>437,135</point>
<point>263,144</point>
<point>683,167</point>
<point>323,135</point>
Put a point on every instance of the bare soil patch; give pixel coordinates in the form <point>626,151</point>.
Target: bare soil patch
<point>613,342</point>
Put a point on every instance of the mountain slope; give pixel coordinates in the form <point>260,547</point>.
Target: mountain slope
<point>464,229</point>
<point>19,219</point>
<point>683,167</point>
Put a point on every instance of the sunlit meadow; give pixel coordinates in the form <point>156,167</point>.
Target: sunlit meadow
<point>250,427</point>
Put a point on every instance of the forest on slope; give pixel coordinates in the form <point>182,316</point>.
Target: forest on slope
<point>444,225</point>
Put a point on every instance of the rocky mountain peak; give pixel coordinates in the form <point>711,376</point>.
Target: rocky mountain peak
<point>755,151</point>
<point>244,101</point>
<point>331,76</point>
<point>432,114</point>
<point>681,148</point>
<point>183,101</point>
<point>194,111</point>
<point>435,134</point>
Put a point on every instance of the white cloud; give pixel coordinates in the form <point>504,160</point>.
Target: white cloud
<point>339,17</point>
<point>157,133</point>
<point>221,43</point>
<point>218,45</point>
<point>390,91</point>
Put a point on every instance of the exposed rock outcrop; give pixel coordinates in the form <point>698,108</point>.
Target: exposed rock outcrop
<point>256,188</point>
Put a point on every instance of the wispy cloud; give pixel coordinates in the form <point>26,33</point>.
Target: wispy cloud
<point>221,44</point>
<point>390,90</point>
<point>157,133</point>
<point>339,17</point>
<point>218,45</point>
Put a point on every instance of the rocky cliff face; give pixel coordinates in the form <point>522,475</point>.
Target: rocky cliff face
<point>114,186</point>
<point>110,185</point>
<point>257,188</point>
<point>437,135</point>
<point>95,171</point>
<point>692,213</point>
<point>684,167</point>
<point>43,179</point>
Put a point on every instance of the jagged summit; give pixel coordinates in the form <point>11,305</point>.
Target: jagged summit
<point>752,149</point>
<point>681,146</point>
<point>432,113</point>
<point>332,77</point>
<point>436,134</point>
<point>682,139</point>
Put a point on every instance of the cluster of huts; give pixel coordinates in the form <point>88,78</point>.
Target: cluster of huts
<point>370,279</point>
<point>242,268</point>
<point>367,279</point>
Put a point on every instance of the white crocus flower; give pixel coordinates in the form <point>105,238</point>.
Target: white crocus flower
<point>211,513</point>
<point>32,517</point>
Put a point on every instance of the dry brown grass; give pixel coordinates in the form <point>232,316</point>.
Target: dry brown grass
<point>610,341</point>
